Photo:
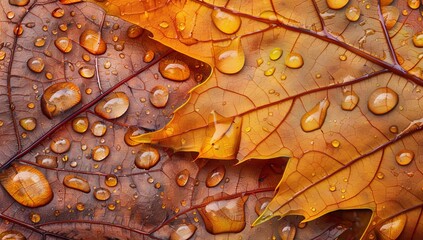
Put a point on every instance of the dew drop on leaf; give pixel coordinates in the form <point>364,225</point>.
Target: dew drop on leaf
<point>80,124</point>
<point>390,15</point>
<point>352,13</point>
<point>99,153</point>
<point>19,3</point>
<point>275,54</point>
<point>60,145</point>
<point>159,96</point>
<point>393,129</point>
<point>80,206</point>
<point>86,72</point>
<point>147,157</point>
<point>132,132</point>
<point>98,129</point>
<point>404,157</point>
<point>77,183</point>
<point>36,64</point>
<point>34,217</point>
<point>148,56</point>
<point>102,194</point>
<point>134,31</point>
<point>27,185</point>
<point>315,118</point>
<point>287,232</point>
<point>64,44</point>
<point>349,100</point>
<point>47,161</point>
<point>2,55</point>
<point>111,180</point>
<point>382,100</point>
<point>58,12</point>
<point>174,69</point>
<point>261,204</point>
<point>336,4</point>
<point>12,235</point>
<point>60,97</point>
<point>226,22</point>
<point>413,4</point>
<point>10,15</point>
<point>226,216</point>
<point>335,143</point>
<point>230,59</point>
<point>28,124</point>
<point>215,176</point>
<point>182,177</point>
<point>92,42</point>
<point>269,71</point>
<point>40,41</point>
<point>392,228</point>
<point>418,39</point>
<point>294,60</point>
<point>113,106</point>
<point>183,232</point>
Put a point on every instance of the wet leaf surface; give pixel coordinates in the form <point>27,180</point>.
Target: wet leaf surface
<point>329,95</point>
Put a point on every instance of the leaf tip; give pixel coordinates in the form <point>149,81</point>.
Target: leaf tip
<point>265,216</point>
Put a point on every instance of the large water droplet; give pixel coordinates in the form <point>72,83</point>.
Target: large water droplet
<point>19,3</point>
<point>215,176</point>
<point>349,101</point>
<point>99,153</point>
<point>36,64</point>
<point>183,232</point>
<point>225,22</point>
<point>382,100</point>
<point>336,4</point>
<point>47,161</point>
<point>64,44</point>
<point>77,183</point>
<point>230,59</point>
<point>60,145</point>
<point>315,118</point>
<point>226,216</point>
<point>418,39</point>
<point>390,15</point>
<point>60,97</point>
<point>12,235</point>
<point>413,4</point>
<point>102,194</point>
<point>275,54</point>
<point>113,105</point>
<point>393,228</point>
<point>147,157</point>
<point>182,177</point>
<point>92,42</point>
<point>159,96</point>
<point>27,185</point>
<point>28,123</point>
<point>404,157</point>
<point>175,70</point>
<point>352,13</point>
<point>80,124</point>
<point>294,60</point>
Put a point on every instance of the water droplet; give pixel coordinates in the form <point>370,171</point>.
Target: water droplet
<point>336,4</point>
<point>102,194</point>
<point>393,228</point>
<point>404,157</point>
<point>287,232</point>
<point>27,185</point>
<point>2,55</point>
<point>111,180</point>
<point>294,60</point>
<point>80,124</point>
<point>418,39</point>
<point>226,216</point>
<point>46,161</point>
<point>77,183</point>
<point>159,96</point>
<point>98,129</point>
<point>134,31</point>
<point>230,59</point>
<point>36,64</point>
<point>182,177</point>
<point>10,15</point>
<point>60,145</point>
<point>28,123</point>
<point>390,15</point>
<point>59,98</point>
<point>413,4</point>
<point>132,132</point>
<point>270,71</point>
<point>58,12</point>
<point>349,101</point>
<point>148,56</point>
<point>343,57</point>
<point>380,175</point>
<point>315,118</point>
<point>92,42</point>
<point>382,100</point>
<point>275,54</point>
<point>99,153</point>
<point>147,157</point>
<point>113,105</point>
<point>259,62</point>
<point>164,24</point>
<point>12,235</point>
<point>86,72</point>
<point>175,70</point>
<point>352,13</point>
<point>215,176</point>
<point>80,206</point>
<point>335,143</point>
<point>261,205</point>
<point>183,232</point>
<point>226,22</point>
<point>34,217</point>
<point>393,129</point>
<point>332,188</point>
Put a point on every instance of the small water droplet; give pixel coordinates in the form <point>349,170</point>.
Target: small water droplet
<point>335,143</point>
<point>393,129</point>
<point>183,232</point>
<point>404,157</point>
<point>58,12</point>
<point>80,206</point>
<point>226,22</point>
<point>134,31</point>
<point>418,39</point>
<point>315,118</point>
<point>380,175</point>
<point>390,15</point>
<point>19,3</point>
<point>382,100</point>
<point>86,72</point>
<point>164,24</point>
<point>77,183</point>
<point>215,176</point>
<point>10,15</point>
<point>148,56</point>
<point>28,124</point>
<point>46,161</point>
<point>34,217</point>
<point>159,96</point>
<point>36,64</point>
<point>175,70</point>
<point>92,42</point>
<point>269,71</point>
<point>349,100</point>
<point>99,153</point>
<point>60,145</point>
<point>80,124</point>
<point>294,60</point>
<point>336,4</point>
<point>182,177</point>
<point>111,180</point>
<point>113,105</point>
<point>352,13</point>
<point>413,4</point>
<point>231,58</point>
<point>147,157</point>
<point>102,194</point>
<point>275,54</point>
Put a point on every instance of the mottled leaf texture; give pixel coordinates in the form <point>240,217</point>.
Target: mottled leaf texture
<point>323,98</point>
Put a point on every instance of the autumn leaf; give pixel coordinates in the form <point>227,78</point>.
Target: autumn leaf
<point>334,85</point>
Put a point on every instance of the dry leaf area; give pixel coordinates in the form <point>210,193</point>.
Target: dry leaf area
<point>211,119</point>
